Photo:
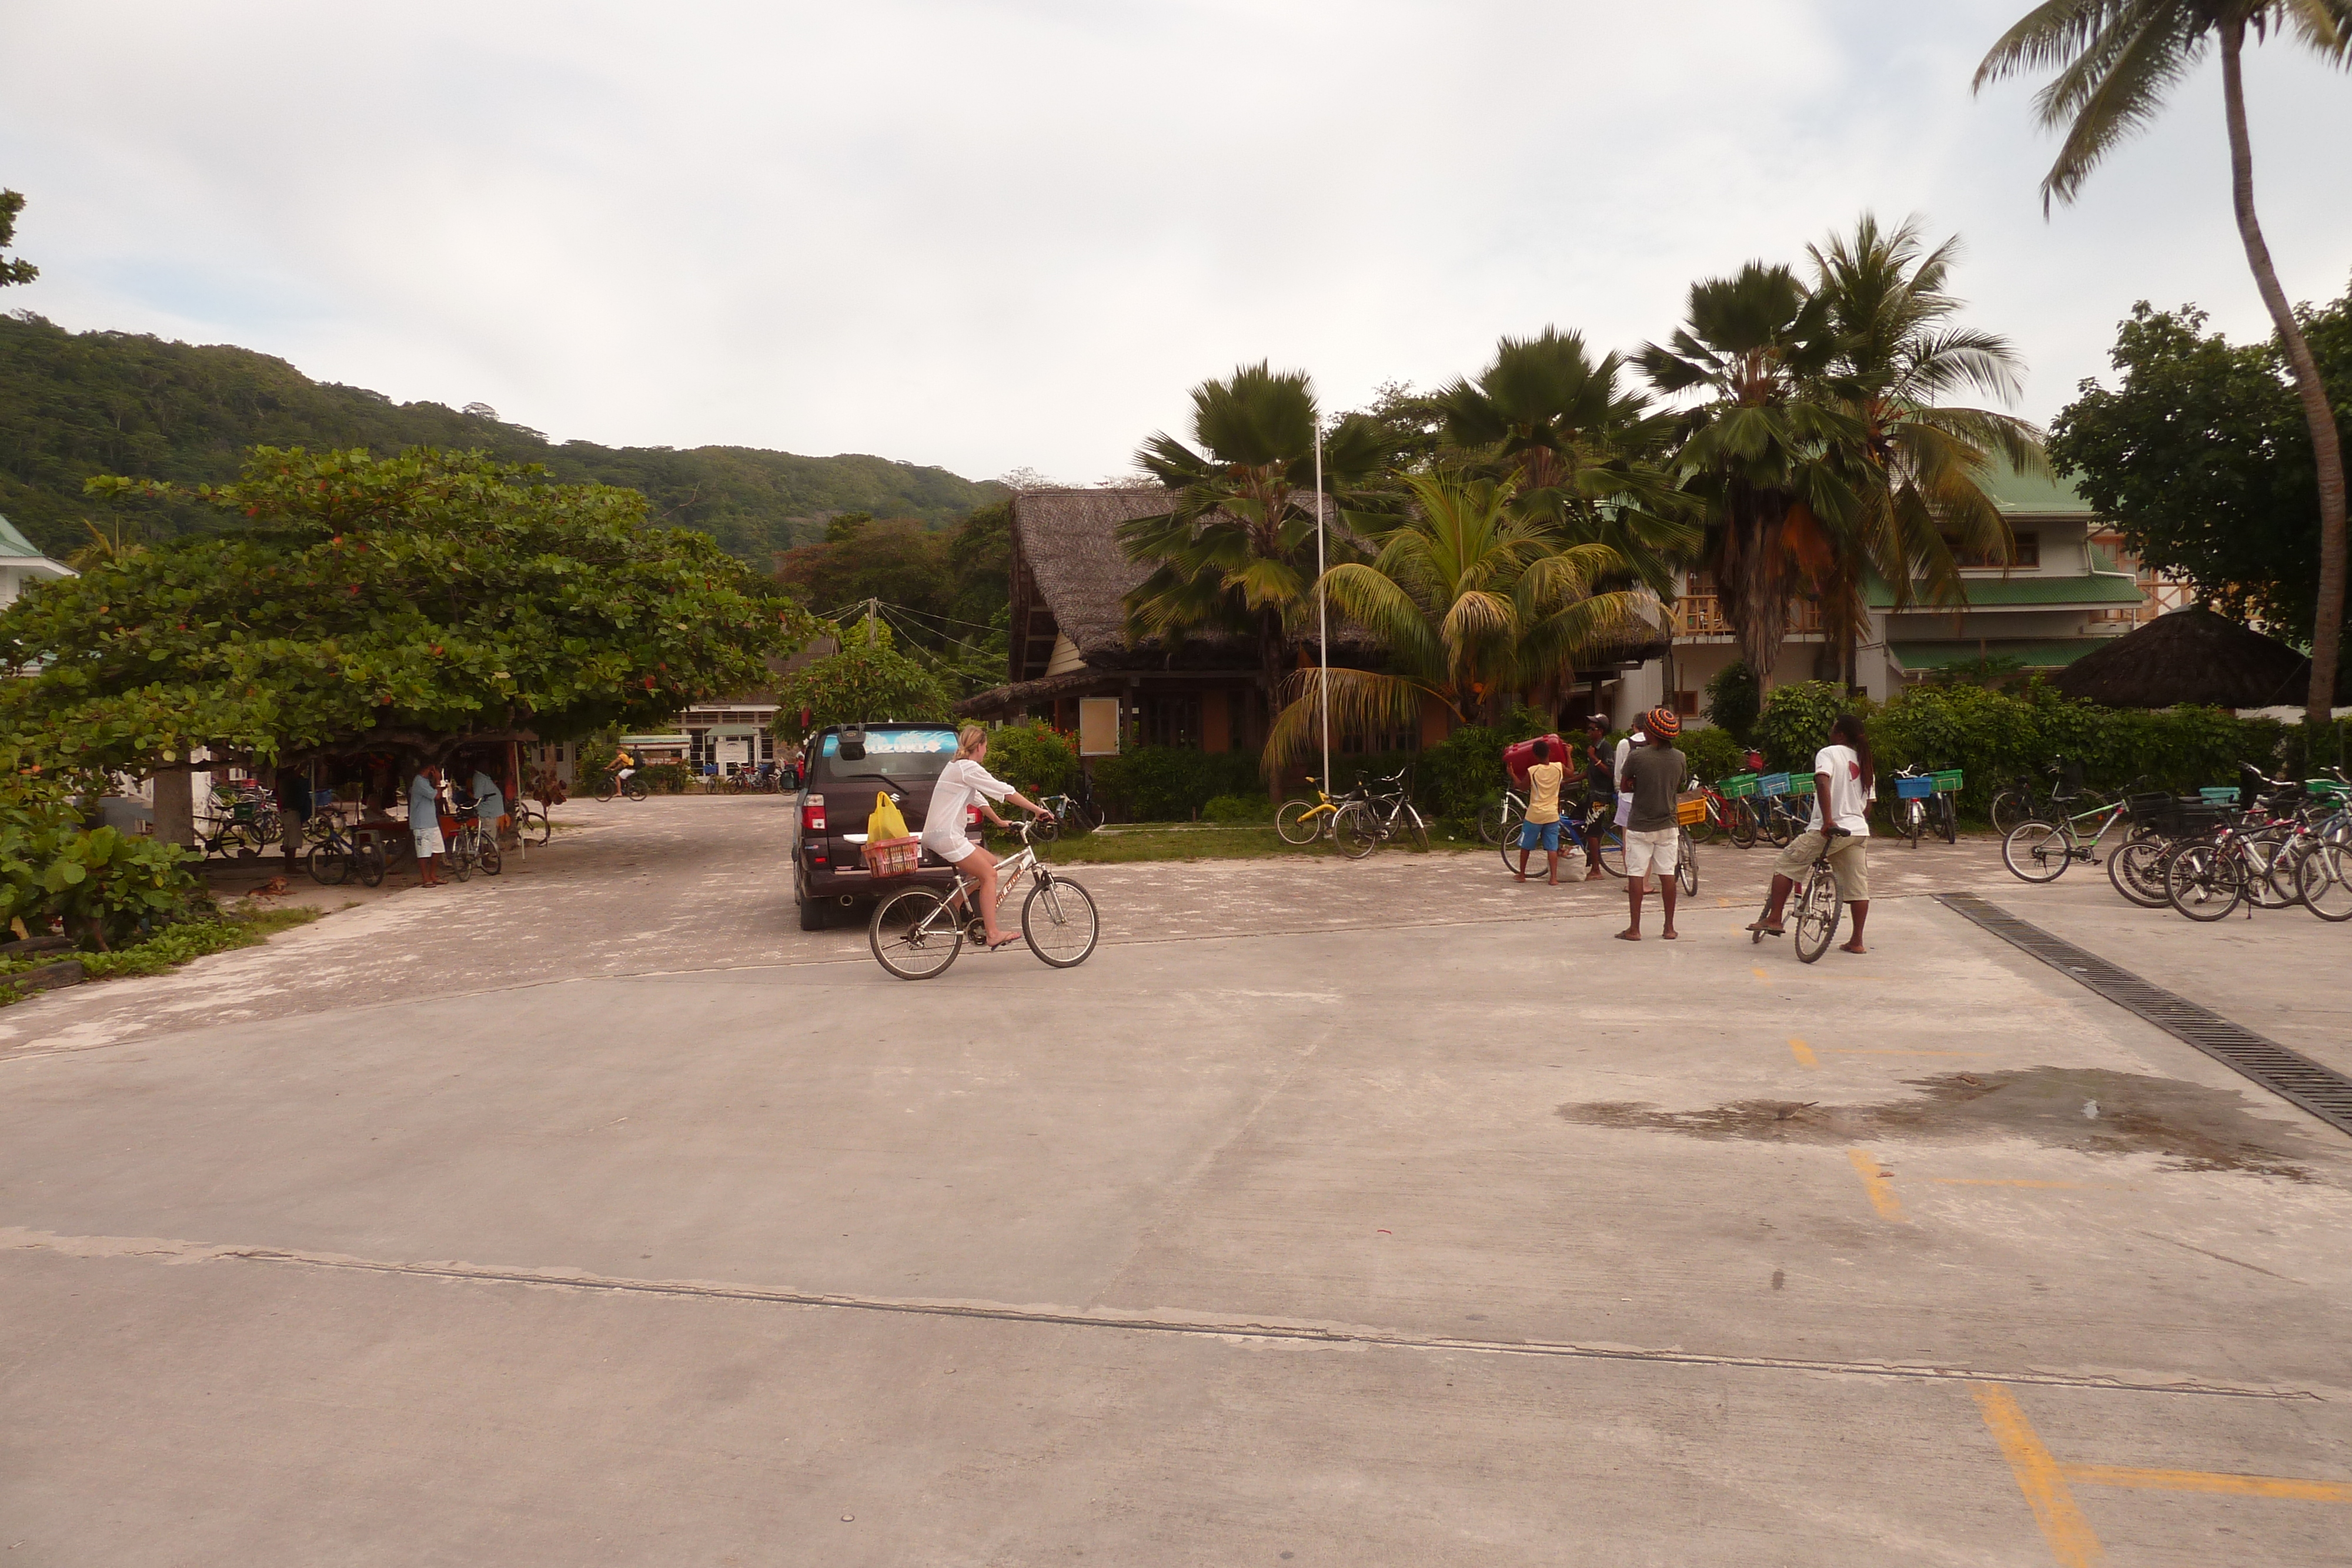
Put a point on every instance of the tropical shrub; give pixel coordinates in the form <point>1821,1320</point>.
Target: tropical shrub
<point>1171,783</point>
<point>1713,752</point>
<point>105,885</point>
<point>1464,770</point>
<point>1734,701</point>
<point>1238,808</point>
<point>1034,759</point>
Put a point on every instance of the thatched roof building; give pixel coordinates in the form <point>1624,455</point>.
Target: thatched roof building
<point>2189,655</point>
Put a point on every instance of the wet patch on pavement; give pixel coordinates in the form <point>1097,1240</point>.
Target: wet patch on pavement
<point>2089,1110</point>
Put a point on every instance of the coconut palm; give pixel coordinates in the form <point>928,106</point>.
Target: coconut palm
<point>1917,462</point>
<point>2114,61</point>
<point>1469,600</point>
<point>1758,449</point>
<point>1580,447</point>
<point>1236,550</point>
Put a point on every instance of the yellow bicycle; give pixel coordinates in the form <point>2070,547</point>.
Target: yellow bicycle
<point>1303,822</point>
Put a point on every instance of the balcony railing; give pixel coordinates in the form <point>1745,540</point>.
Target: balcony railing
<point>1701,615</point>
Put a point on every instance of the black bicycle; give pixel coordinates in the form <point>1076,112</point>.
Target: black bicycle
<point>336,855</point>
<point>1379,817</point>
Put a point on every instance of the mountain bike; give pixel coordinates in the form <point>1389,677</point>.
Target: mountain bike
<point>609,786</point>
<point>1499,819</point>
<point>336,855</point>
<point>1304,821</point>
<point>916,934</point>
<point>2040,851</point>
<point>1817,908</point>
<point>1371,819</point>
<point>1075,811</point>
<point>470,847</point>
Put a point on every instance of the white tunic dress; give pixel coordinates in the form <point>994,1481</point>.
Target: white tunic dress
<point>959,782</point>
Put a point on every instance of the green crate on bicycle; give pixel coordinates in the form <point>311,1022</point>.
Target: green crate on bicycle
<point>1737,787</point>
<point>1800,783</point>
<point>2333,789</point>
<point>1947,780</point>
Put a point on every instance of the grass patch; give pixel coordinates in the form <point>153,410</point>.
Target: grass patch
<point>168,949</point>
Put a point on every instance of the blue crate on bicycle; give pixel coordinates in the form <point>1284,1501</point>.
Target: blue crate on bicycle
<point>2219,794</point>
<point>1913,789</point>
<point>1772,784</point>
<point>1737,787</point>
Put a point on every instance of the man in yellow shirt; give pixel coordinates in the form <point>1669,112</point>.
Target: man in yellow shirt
<point>1542,780</point>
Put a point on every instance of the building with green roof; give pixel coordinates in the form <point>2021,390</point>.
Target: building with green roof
<point>20,564</point>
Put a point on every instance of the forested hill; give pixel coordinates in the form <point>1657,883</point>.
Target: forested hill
<point>77,404</point>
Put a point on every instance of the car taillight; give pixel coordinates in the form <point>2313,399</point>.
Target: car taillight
<point>970,817</point>
<point>813,814</point>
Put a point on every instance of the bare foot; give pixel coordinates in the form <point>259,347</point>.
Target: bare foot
<point>1854,946</point>
<point>1555,882</point>
<point>1629,935</point>
<point>1518,876</point>
<point>1668,934</point>
<point>1595,874</point>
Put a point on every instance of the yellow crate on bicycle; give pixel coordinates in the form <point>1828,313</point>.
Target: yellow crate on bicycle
<point>1690,807</point>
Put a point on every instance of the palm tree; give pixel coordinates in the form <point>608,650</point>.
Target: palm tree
<point>1579,446</point>
<point>2115,60</point>
<point>1468,599</point>
<point>1916,463</point>
<point>1236,551</point>
<point>1758,450</point>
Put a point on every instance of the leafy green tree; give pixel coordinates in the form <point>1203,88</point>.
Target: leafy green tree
<point>1758,448</point>
<point>1734,699</point>
<point>1236,550</point>
<point>2200,456</point>
<point>1577,446</point>
<point>868,681</point>
<point>1469,602</point>
<point>357,602</point>
<point>1917,461</point>
<point>2115,60</point>
<point>18,270</point>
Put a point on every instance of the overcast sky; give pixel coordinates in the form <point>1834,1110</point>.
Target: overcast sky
<point>1004,234</point>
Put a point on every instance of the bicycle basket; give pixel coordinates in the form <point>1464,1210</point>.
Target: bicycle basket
<point>2328,789</point>
<point>1772,784</point>
<point>2219,794</point>
<point>1800,784</point>
<point>1738,786</point>
<point>1947,780</point>
<point>893,857</point>
<point>1690,808</point>
<point>1913,789</point>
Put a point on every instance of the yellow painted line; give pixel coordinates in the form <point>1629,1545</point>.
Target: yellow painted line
<point>1762,976</point>
<point>2041,1478</point>
<point>1876,1183</point>
<point>2208,1481</point>
<point>1804,1053</point>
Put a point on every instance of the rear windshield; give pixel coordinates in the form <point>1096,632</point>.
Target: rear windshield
<point>901,755</point>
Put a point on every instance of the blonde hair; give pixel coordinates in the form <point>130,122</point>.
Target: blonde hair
<point>971,738</point>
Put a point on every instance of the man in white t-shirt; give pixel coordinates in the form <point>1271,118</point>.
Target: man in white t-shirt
<point>1845,781</point>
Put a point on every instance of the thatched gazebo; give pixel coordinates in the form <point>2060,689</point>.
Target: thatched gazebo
<point>2189,655</point>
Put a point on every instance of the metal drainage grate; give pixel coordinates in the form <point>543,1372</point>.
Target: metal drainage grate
<point>2289,1074</point>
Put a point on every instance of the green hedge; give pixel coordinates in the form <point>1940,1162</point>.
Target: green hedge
<point>1171,783</point>
<point>1033,759</point>
<point>1994,737</point>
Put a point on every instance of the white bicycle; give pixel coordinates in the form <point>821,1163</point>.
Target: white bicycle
<point>917,934</point>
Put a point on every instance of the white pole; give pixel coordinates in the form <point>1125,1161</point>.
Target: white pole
<point>1322,610</point>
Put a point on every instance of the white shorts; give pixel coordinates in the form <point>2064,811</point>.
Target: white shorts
<point>1662,850</point>
<point>954,849</point>
<point>428,839</point>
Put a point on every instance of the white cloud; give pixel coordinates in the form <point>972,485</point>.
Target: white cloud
<point>1000,233</point>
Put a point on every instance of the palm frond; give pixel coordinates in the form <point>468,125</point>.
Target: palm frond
<point>1362,700</point>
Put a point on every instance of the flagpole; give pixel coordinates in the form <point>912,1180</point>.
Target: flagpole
<point>1322,609</point>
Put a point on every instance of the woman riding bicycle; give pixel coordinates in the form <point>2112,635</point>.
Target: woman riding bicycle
<point>1846,780</point>
<point>964,782</point>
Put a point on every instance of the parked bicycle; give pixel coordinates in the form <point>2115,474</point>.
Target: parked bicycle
<point>470,847</point>
<point>1922,804</point>
<point>1304,821</point>
<point>2025,800</point>
<point>336,855</point>
<point>1814,907</point>
<point>531,827</point>
<point>916,934</point>
<point>1378,817</point>
<point>2039,850</point>
<point>1073,813</point>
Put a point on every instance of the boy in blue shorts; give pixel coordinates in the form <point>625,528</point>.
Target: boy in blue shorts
<point>1542,824</point>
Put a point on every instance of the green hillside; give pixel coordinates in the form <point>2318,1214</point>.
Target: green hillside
<point>77,404</point>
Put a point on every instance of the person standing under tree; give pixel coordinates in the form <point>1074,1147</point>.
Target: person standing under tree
<point>1845,781</point>
<point>1651,778</point>
<point>425,823</point>
<point>1542,781</point>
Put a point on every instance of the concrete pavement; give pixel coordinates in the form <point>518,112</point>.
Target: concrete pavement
<point>1380,1213</point>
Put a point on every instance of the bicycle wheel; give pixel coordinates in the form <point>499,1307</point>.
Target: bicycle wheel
<point>369,858</point>
<point>914,934</point>
<point>1780,827</point>
<point>1357,833</point>
<point>1911,820</point>
<point>1045,828</point>
<point>2036,850</point>
<point>329,866</point>
<point>2138,871</point>
<point>1295,825</point>
<point>1741,825</point>
<point>636,790</point>
<point>2270,882</point>
<point>1703,831</point>
<point>2205,881</point>
<point>2009,809</point>
<point>1816,917</point>
<point>533,828</point>
<point>1686,864</point>
<point>318,829</point>
<point>1414,831</point>
<point>461,858</point>
<point>1059,923</point>
<point>1610,839</point>
<point>2324,880</point>
<point>1947,819</point>
<point>492,861</point>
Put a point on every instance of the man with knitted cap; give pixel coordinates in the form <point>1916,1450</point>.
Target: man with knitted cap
<point>1653,776</point>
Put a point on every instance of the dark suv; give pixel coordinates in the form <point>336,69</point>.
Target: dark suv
<point>902,760</point>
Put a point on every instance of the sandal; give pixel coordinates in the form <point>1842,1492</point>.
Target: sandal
<point>1768,928</point>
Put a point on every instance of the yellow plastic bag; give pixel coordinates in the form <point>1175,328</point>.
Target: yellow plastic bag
<point>885,822</point>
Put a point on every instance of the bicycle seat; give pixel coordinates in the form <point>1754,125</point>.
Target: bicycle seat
<point>1838,833</point>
